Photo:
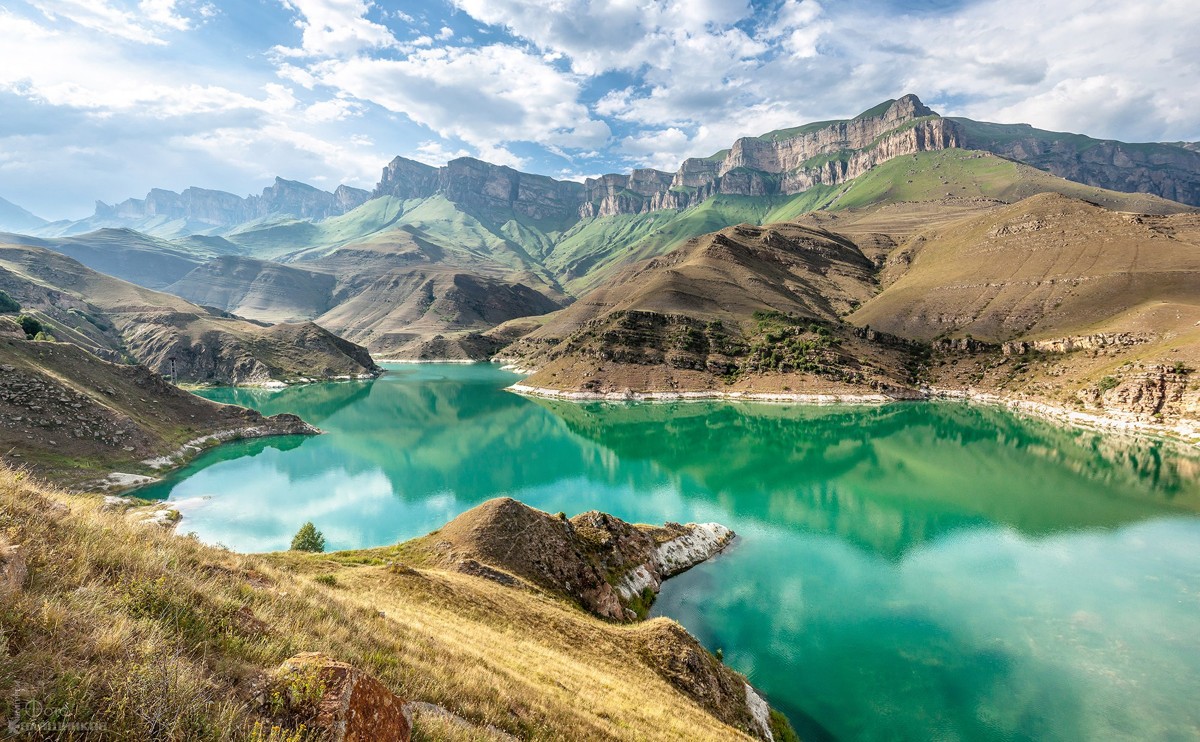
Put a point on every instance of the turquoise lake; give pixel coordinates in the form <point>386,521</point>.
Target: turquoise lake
<point>912,571</point>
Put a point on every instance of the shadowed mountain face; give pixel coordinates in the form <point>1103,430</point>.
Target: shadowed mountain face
<point>120,321</point>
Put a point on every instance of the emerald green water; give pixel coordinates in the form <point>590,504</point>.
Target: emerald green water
<point>916,571</point>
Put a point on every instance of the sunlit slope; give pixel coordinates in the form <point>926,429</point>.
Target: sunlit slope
<point>1048,266</point>
<point>169,634</point>
<point>591,251</point>
<point>960,173</point>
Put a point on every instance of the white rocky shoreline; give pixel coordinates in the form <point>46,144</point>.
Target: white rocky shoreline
<point>1186,431</point>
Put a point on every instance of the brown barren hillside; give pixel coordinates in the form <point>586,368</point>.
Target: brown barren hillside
<point>1044,267</point>
<point>717,314</point>
<point>1054,304</point>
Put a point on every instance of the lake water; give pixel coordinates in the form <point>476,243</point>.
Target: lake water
<point>913,571</point>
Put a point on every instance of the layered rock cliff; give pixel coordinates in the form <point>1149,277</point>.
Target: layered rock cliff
<point>482,186</point>
<point>784,162</point>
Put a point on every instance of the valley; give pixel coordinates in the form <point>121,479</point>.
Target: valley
<point>741,464</point>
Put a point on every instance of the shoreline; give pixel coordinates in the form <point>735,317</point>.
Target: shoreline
<point>124,483</point>
<point>427,360</point>
<point>1181,431</point>
<point>703,395</point>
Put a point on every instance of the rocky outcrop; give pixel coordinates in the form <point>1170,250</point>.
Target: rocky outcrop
<point>1151,393</point>
<point>610,567</point>
<point>1097,341</point>
<point>682,662</point>
<point>338,701</point>
<point>485,187</point>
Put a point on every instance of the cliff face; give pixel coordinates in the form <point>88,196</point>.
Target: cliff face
<point>482,186</point>
<point>784,162</point>
<point>791,161</point>
<point>1168,170</point>
<point>221,209</point>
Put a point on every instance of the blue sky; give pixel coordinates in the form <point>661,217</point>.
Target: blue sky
<point>104,99</point>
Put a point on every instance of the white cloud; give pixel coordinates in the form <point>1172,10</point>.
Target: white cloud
<point>143,27</point>
<point>483,96</point>
<point>164,13</point>
<point>332,28</point>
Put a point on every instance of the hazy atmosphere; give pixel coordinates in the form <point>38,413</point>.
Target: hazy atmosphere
<point>105,99</point>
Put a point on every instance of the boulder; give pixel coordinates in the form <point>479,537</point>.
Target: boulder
<point>12,568</point>
<point>348,705</point>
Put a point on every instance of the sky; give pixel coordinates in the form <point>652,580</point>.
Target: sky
<point>105,99</point>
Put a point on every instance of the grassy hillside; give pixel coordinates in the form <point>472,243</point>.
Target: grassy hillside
<point>957,173</point>
<point>125,254</point>
<point>590,253</point>
<point>170,639</point>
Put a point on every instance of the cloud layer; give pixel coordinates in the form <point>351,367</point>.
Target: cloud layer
<point>107,98</point>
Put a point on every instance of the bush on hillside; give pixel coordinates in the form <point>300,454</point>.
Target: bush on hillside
<point>8,305</point>
<point>308,538</point>
<point>30,325</point>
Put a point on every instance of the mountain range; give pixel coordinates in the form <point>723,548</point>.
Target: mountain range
<point>433,258</point>
<point>856,247</point>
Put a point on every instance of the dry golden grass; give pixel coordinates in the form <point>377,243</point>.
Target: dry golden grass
<point>153,636</point>
<point>1045,267</point>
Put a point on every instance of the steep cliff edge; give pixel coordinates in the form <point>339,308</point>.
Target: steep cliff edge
<point>1167,170</point>
<point>783,162</point>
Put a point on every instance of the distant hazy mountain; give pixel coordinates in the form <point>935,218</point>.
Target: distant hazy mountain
<point>168,214</point>
<point>15,219</point>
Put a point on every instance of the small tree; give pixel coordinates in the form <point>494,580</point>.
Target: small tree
<point>308,538</point>
<point>8,305</point>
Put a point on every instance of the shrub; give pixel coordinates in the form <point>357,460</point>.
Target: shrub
<point>30,325</point>
<point>308,538</point>
<point>329,580</point>
<point>44,337</point>
<point>1108,382</point>
<point>8,305</point>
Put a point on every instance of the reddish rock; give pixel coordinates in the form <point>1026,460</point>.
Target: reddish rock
<point>353,706</point>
